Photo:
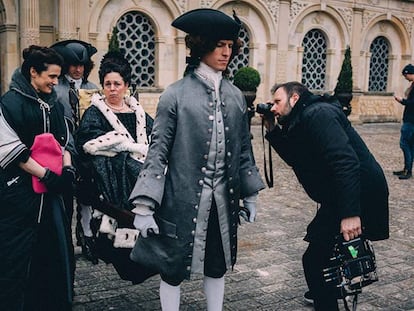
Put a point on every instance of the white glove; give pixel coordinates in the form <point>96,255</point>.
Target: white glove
<point>250,204</point>
<point>146,224</point>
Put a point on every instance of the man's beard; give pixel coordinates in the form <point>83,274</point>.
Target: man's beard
<point>282,120</point>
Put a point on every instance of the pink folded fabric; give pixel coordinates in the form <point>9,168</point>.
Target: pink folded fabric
<point>47,152</point>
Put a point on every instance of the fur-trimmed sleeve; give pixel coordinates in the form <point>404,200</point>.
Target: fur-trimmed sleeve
<point>111,143</point>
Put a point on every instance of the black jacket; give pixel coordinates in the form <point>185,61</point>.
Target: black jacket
<point>22,239</point>
<point>334,166</point>
<point>408,103</point>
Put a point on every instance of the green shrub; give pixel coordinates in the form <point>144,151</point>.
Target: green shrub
<point>247,79</point>
<point>344,84</point>
<point>114,43</point>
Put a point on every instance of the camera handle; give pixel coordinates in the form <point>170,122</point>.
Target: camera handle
<point>268,176</point>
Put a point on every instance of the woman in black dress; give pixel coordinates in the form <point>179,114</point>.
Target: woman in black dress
<point>36,257</point>
<point>112,142</point>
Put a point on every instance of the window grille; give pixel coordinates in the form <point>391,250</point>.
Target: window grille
<point>242,59</point>
<point>378,65</point>
<point>137,41</point>
<point>314,60</point>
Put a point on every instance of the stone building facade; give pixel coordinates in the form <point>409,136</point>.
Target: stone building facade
<point>284,40</point>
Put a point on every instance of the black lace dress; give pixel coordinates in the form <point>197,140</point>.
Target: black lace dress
<point>113,178</point>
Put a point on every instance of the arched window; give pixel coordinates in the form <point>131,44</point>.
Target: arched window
<point>378,65</point>
<point>137,41</point>
<point>314,60</point>
<point>242,59</point>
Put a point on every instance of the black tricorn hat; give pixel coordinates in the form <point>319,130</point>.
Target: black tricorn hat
<point>74,51</point>
<point>209,23</point>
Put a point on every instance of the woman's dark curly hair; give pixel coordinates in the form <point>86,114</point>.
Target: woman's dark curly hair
<point>115,62</point>
<point>39,58</point>
<point>200,46</point>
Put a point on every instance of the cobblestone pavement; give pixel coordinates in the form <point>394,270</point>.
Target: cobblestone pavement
<point>268,274</point>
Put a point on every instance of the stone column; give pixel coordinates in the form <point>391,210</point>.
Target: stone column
<point>29,23</point>
<point>356,48</point>
<point>283,41</point>
<point>181,56</point>
<point>9,55</point>
<point>68,26</point>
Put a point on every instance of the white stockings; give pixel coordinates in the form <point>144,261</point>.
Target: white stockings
<point>86,216</point>
<point>213,289</point>
<point>169,296</point>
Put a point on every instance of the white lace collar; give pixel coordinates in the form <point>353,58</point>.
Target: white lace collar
<point>208,73</point>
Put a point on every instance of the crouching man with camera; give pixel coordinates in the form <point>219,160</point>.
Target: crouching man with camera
<point>336,169</point>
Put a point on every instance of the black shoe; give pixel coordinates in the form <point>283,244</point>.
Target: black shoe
<point>78,233</point>
<point>87,244</point>
<point>308,298</point>
<point>399,173</point>
<point>406,175</point>
<point>88,250</point>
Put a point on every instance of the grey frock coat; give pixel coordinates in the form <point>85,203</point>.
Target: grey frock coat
<point>200,151</point>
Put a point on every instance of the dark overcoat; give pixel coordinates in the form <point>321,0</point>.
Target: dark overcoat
<point>335,168</point>
<point>175,168</point>
<point>32,249</point>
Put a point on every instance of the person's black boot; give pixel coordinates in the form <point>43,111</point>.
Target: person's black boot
<point>308,298</point>
<point>399,173</point>
<point>86,243</point>
<point>406,175</point>
<point>78,233</point>
<point>88,250</point>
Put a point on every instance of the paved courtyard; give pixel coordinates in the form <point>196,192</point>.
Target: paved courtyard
<point>268,274</point>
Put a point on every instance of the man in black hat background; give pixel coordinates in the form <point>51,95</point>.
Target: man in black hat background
<point>407,128</point>
<point>75,72</point>
<point>188,216</point>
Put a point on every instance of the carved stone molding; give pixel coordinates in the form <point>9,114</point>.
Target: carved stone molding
<point>295,9</point>
<point>182,5</point>
<point>408,23</point>
<point>367,17</point>
<point>347,14</point>
<point>67,35</point>
<point>318,19</point>
<point>273,7</point>
<point>30,36</point>
<point>205,3</point>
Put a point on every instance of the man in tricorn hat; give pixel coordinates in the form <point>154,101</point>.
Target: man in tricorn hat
<point>188,216</point>
<point>75,72</point>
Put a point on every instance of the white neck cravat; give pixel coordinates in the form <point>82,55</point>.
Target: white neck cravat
<point>208,73</point>
<point>78,82</point>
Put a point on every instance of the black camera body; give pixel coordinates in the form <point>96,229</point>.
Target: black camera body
<point>264,109</point>
<point>353,266</point>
